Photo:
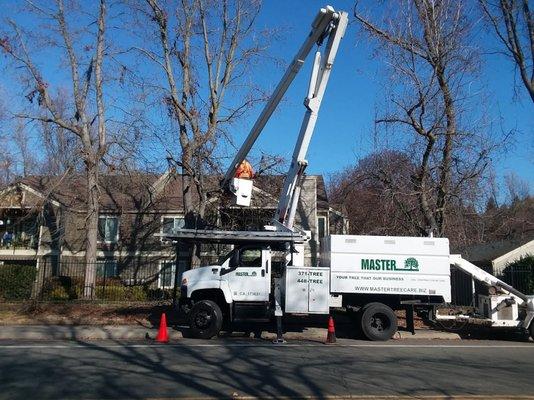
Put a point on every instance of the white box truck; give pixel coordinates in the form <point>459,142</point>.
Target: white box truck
<point>371,275</point>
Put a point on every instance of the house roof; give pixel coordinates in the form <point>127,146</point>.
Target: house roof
<point>131,191</point>
<point>124,192</point>
<point>486,252</point>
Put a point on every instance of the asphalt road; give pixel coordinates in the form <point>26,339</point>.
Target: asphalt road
<point>229,368</point>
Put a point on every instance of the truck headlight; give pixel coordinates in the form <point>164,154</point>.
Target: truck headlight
<point>184,281</point>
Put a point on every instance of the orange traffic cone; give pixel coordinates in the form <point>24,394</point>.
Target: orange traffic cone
<point>331,336</point>
<point>163,335</point>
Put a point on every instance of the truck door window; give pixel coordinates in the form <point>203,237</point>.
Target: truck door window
<point>251,258</point>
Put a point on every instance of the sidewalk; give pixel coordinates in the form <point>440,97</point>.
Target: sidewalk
<point>137,332</point>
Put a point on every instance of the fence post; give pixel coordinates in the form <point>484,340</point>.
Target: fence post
<point>104,267</point>
<point>43,279</point>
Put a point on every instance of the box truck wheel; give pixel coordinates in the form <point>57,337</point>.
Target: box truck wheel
<point>532,329</point>
<point>205,319</point>
<point>378,321</point>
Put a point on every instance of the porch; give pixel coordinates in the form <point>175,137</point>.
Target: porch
<point>19,230</point>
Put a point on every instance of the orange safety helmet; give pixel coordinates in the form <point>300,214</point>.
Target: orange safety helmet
<point>244,171</point>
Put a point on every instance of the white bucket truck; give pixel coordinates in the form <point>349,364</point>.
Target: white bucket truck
<point>372,275</point>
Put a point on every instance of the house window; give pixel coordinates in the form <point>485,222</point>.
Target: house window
<point>170,224</point>
<point>106,268</point>
<point>166,274</point>
<point>322,228</point>
<point>108,228</point>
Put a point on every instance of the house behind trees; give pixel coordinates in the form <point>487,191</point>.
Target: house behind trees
<point>45,217</point>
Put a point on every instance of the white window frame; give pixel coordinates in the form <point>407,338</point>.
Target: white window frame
<point>106,216</point>
<point>174,216</point>
<point>162,265</point>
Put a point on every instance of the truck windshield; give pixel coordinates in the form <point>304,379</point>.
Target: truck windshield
<point>248,257</point>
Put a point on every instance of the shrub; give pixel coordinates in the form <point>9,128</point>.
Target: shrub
<point>121,293</point>
<point>520,274</point>
<point>58,293</point>
<point>161,294</point>
<point>16,281</point>
<point>59,288</point>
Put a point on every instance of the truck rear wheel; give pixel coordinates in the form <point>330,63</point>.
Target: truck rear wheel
<point>205,319</point>
<point>378,322</point>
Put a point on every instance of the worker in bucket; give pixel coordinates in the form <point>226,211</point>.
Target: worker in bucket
<point>244,171</point>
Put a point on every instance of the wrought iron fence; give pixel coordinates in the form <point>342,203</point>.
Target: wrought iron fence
<point>140,281</point>
<point>47,280</point>
<point>520,277</point>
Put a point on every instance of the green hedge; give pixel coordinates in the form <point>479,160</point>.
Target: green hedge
<point>16,281</point>
<point>121,293</point>
<point>60,288</point>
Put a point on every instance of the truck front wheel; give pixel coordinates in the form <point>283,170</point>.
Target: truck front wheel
<point>378,322</point>
<point>205,319</point>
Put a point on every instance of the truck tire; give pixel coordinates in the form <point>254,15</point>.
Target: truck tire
<point>205,319</point>
<point>532,329</point>
<point>378,322</point>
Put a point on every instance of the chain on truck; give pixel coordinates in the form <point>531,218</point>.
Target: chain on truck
<point>371,275</point>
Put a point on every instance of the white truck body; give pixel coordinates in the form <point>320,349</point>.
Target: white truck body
<point>388,265</point>
<point>357,272</point>
<point>377,265</point>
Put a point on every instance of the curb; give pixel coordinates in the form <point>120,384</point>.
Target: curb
<point>426,335</point>
<point>136,332</point>
<point>80,332</point>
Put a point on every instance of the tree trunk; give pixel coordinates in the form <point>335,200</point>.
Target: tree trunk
<point>91,222</point>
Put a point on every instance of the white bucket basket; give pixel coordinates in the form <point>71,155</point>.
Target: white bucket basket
<point>242,191</point>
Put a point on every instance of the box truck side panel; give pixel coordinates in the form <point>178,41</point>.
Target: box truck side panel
<point>307,290</point>
<point>386,265</point>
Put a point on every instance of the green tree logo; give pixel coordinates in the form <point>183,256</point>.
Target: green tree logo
<point>411,264</point>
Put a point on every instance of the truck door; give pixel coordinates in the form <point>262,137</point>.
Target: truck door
<point>249,274</point>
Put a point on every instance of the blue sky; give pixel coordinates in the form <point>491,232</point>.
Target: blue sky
<point>344,131</point>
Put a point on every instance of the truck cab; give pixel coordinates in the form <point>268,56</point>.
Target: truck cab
<point>239,287</point>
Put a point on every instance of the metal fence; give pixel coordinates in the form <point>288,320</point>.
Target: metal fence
<point>520,277</point>
<point>142,280</point>
<point>138,281</point>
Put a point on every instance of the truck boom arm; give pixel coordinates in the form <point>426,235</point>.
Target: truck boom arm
<point>327,24</point>
<point>322,66</point>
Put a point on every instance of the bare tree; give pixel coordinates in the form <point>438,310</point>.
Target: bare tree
<point>518,189</point>
<point>61,148</point>
<point>87,123</point>
<point>376,194</point>
<point>204,53</point>
<point>513,23</point>
<point>426,47</point>
<point>26,155</point>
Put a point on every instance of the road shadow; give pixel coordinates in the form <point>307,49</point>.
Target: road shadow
<point>111,370</point>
